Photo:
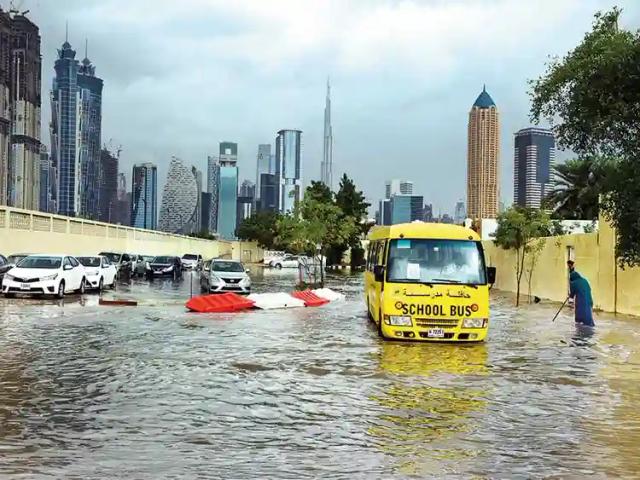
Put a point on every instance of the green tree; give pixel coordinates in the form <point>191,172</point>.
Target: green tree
<point>592,99</point>
<point>354,209</point>
<point>260,227</point>
<point>519,229</point>
<point>319,191</point>
<point>578,184</point>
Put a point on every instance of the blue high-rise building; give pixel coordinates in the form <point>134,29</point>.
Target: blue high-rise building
<point>228,190</point>
<point>46,180</point>
<point>535,150</point>
<point>406,208</point>
<point>287,169</point>
<point>144,196</point>
<point>89,125</point>
<point>65,154</point>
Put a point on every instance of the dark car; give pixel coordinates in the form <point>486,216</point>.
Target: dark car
<point>5,266</point>
<point>164,266</point>
<point>122,261</point>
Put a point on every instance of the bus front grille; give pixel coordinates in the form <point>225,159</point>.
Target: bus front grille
<point>437,322</point>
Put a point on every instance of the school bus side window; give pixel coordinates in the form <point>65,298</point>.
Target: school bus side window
<point>374,255</point>
<point>381,249</point>
<point>370,259</point>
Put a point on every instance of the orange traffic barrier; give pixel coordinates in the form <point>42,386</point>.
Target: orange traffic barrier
<point>219,303</point>
<point>309,298</point>
<point>126,303</point>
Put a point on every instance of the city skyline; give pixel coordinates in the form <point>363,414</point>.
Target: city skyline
<point>366,108</point>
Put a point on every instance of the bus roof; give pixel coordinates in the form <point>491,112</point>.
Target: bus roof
<point>423,230</point>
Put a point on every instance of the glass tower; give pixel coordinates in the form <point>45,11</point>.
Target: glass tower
<point>144,190</point>
<point>228,190</point>
<point>287,169</point>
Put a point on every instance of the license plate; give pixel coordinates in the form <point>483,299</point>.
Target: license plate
<point>435,333</point>
<point>25,286</point>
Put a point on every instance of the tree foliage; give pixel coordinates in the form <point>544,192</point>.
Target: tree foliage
<point>354,209</point>
<point>519,229</point>
<point>578,184</point>
<point>260,227</point>
<point>592,99</point>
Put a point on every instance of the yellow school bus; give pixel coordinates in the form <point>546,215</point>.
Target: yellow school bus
<point>428,282</point>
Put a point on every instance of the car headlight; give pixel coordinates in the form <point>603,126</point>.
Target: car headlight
<point>94,273</point>
<point>474,323</point>
<point>168,269</point>
<point>246,281</point>
<point>398,320</point>
<point>50,277</point>
<point>215,279</point>
<point>9,277</point>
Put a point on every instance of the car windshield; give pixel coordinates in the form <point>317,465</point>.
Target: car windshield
<point>114,257</point>
<point>163,260</point>
<point>15,259</point>
<point>227,267</point>
<point>89,261</point>
<point>40,262</point>
<point>436,261</point>
<point>147,259</point>
<point>189,256</point>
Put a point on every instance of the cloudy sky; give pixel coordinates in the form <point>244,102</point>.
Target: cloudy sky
<point>182,75</point>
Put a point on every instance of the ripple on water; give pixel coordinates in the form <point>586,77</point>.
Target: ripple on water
<point>155,392</point>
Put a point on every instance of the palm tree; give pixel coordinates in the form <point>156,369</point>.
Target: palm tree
<point>578,184</point>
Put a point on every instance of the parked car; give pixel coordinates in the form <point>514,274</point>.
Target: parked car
<point>141,265</point>
<point>288,261</point>
<point>100,272</point>
<point>122,261</point>
<point>164,266</point>
<point>5,266</point>
<point>45,274</point>
<point>192,261</point>
<point>225,276</point>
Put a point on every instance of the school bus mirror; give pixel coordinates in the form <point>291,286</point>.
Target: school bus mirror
<point>378,273</point>
<point>491,275</point>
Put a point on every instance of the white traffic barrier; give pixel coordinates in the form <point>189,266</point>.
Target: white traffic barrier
<point>328,294</point>
<point>268,301</point>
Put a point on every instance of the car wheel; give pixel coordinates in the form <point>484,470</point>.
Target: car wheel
<point>100,285</point>
<point>278,266</point>
<point>60,290</point>
<point>83,286</point>
<point>380,334</point>
<point>9,295</point>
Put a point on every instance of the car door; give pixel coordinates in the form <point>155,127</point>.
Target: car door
<point>78,273</point>
<point>67,275</point>
<point>107,271</point>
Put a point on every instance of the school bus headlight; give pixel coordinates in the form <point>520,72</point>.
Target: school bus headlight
<point>398,320</point>
<point>474,323</point>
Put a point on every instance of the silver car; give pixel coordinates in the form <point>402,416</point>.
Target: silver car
<point>225,276</point>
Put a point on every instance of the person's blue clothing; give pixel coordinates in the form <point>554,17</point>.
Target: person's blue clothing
<point>580,290</point>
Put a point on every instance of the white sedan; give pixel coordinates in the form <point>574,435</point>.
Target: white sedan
<point>100,272</point>
<point>288,261</point>
<point>45,275</point>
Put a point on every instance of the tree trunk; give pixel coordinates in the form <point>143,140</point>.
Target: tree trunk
<point>519,272</point>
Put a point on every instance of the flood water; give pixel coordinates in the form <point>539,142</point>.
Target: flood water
<point>89,391</point>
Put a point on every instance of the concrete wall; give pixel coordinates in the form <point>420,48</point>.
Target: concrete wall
<point>614,289</point>
<point>25,231</point>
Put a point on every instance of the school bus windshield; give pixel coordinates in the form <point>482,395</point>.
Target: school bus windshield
<point>435,261</point>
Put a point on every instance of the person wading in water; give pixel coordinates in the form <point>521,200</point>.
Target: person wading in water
<point>580,291</point>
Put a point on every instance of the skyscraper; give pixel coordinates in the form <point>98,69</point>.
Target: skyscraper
<point>327,157</point>
<point>246,198</point>
<point>482,158</point>
<point>47,176</point>
<point>268,193</point>
<point>228,190</point>
<point>197,221</point>
<point>398,187</point>
<point>108,186</point>
<point>20,101</point>
<point>179,199</point>
<point>534,155</point>
<point>213,185</point>
<point>287,169</point>
<point>144,196</point>
<point>460,213</point>
<point>64,131</point>
<point>89,139</point>
<point>406,208</point>
<point>121,213</point>
<point>263,165</point>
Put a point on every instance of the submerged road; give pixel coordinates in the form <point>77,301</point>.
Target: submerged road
<point>89,391</point>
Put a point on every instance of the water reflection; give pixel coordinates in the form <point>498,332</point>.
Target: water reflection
<point>428,406</point>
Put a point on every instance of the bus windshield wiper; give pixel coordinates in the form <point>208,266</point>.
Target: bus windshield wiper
<point>447,280</point>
